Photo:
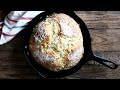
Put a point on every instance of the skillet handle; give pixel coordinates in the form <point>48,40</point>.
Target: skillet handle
<point>108,63</point>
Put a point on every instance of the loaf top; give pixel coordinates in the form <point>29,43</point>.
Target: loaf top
<point>56,42</point>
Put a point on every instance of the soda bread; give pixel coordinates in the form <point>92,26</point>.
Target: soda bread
<point>56,42</point>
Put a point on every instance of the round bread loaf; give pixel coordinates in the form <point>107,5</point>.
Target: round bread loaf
<point>56,42</point>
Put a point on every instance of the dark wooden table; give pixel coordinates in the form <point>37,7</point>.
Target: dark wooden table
<point>104,27</point>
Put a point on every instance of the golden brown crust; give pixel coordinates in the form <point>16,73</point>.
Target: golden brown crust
<point>57,42</point>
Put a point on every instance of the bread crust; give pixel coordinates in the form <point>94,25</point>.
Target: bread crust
<point>57,43</point>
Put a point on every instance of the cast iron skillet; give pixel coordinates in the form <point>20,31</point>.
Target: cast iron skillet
<point>88,54</point>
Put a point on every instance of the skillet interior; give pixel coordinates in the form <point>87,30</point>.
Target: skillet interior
<point>86,42</point>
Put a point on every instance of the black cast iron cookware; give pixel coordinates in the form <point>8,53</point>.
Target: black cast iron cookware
<point>87,56</point>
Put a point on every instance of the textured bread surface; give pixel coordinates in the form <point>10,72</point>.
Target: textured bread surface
<point>56,42</point>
